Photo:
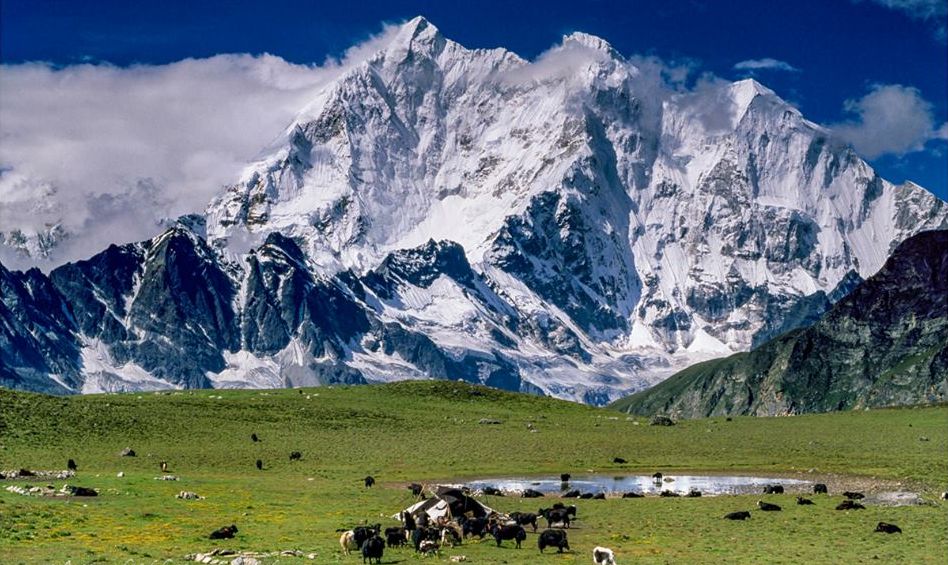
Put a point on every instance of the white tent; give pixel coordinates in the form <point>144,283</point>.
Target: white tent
<point>449,503</point>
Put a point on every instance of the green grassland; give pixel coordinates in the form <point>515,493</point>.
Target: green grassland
<point>429,431</point>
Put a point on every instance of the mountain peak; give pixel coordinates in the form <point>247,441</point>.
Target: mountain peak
<point>591,42</point>
<point>417,25</point>
<point>417,32</point>
<point>746,90</point>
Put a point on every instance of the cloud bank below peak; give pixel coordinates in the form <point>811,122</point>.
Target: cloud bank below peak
<point>112,151</point>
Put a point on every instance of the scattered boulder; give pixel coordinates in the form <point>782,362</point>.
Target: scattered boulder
<point>18,473</point>
<point>224,556</point>
<point>28,490</point>
<point>896,498</point>
<point>661,421</point>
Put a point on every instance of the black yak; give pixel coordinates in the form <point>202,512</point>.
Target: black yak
<point>553,538</point>
<point>227,532</point>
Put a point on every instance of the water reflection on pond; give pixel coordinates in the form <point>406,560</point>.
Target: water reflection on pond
<point>645,484</point>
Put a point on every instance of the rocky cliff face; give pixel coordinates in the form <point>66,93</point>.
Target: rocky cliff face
<point>884,344</point>
<point>38,350</point>
<point>440,212</point>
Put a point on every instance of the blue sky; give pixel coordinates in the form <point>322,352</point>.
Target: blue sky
<point>838,60</point>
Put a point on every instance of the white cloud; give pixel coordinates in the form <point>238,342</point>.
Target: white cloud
<point>564,62</point>
<point>918,9</point>
<point>111,151</point>
<point>933,11</point>
<point>765,64</point>
<point>580,59</point>
<point>890,119</point>
<point>942,132</point>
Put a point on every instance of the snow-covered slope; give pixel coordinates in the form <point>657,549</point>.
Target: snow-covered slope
<point>557,225</point>
<point>670,229</point>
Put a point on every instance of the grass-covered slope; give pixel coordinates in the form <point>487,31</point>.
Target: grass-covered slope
<point>884,344</point>
<point>426,431</point>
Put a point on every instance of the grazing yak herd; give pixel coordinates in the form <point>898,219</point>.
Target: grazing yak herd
<point>427,535</point>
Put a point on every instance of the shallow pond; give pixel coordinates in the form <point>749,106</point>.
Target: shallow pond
<point>645,484</point>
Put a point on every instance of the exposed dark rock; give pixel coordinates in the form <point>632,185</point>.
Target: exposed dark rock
<point>885,343</point>
<point>549,249</point>
<point>661,421</point>
<point>37,335</point>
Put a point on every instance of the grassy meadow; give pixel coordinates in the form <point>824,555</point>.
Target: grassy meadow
<point>428,432</point>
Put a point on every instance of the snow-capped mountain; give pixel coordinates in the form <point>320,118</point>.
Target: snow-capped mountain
<point>555,226</point>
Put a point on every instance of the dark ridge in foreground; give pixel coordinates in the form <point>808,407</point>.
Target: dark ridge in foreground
<point>885,344</point>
